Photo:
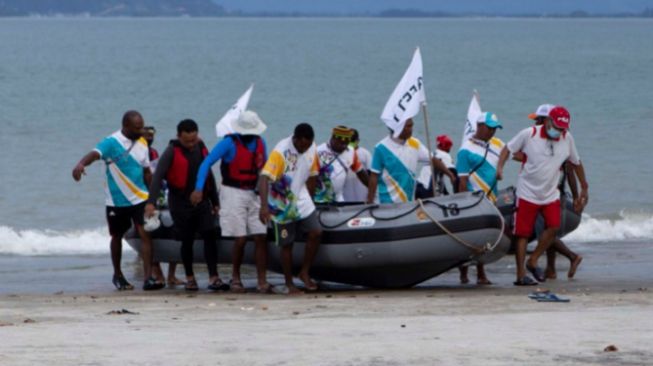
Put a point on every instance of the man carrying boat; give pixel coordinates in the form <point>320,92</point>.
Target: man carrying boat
<point>336,160</point>
<point>126,156</point>
<point>286,186</point>
<point>241,155</point>
<point>476,164</point>
<point>545,149</point>
<point>178,165</point>
<point>539,116</point>
<point>394,166</point>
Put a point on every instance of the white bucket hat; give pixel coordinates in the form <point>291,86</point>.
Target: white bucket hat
<point>248,123</point>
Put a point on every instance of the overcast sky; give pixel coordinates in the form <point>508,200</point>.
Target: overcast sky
<point>452,6</point>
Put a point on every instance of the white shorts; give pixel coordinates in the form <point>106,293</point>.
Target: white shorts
<point>239,212</point>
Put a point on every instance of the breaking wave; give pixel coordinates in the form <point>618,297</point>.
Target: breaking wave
<point>52,242</point>
<point>624,227</point>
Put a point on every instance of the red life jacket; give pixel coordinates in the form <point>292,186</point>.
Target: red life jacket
<point>242,172</point>
<point>177,176</point>
<point>153,153</point>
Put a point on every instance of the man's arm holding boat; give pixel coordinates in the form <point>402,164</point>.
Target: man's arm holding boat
<point>155,185</point>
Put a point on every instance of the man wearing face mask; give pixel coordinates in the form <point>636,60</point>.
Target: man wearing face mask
<point>545,149</point>
<point>126,156</point>
<point>336,160</point>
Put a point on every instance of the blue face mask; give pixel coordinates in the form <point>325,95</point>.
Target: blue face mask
<point>553,133</point>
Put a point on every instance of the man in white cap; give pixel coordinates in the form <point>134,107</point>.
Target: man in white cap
<point>476,164</point>
<point>242,155</point>
<point>569,176</point>
<point>545,148</point>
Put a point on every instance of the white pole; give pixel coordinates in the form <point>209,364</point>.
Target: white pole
<point>428,145</point>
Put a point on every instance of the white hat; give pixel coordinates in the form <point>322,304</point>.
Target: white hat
<point>248,123</point>
<point>152,223</point>
<point>541,111</point>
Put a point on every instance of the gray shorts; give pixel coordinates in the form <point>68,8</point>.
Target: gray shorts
<point>285,234</point>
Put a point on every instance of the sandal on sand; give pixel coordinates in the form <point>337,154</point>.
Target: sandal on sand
<point>151,285</point>
<point>537,273</point>
<point>191,285</point>
<point>525,281</point>
<point>218,285</point>
<point>121,283</point>
<point>265,289</point>
<point>237,287</point>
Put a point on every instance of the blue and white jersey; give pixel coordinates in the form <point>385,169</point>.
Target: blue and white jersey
<point>472,156</point>
<point>125,160</point>
<point>397,164</point>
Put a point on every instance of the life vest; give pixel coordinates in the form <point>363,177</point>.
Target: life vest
<point>177,176</point>
<point>153,153</point>
<point>243,171</point>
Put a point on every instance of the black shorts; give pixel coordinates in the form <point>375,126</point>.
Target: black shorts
<point>285,234</point>
<point>120,218</point>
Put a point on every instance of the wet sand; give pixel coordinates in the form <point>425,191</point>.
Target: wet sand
<point>440,322</point>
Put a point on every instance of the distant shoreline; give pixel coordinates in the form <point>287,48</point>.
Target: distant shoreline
<point>322,16</point>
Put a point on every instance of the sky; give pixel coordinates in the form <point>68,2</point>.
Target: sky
<point>451,6</point>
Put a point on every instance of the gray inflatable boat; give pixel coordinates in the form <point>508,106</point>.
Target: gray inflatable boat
<point>384,246</point>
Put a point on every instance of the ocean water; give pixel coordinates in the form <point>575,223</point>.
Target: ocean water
<point>65,83</point>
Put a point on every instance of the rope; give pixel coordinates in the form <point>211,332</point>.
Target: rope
<point>464,243</point>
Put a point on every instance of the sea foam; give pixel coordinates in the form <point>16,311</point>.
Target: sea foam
<point>52,242</point>
<point>32,242</point>
<point>625,227</point>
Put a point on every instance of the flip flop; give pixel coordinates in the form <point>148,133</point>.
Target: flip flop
<point>551,297</point>
<point>525,281</point>
<point>265,289</point>
<point>121,283</point>
<point>538,294</point>
<point>191,285</point>
<point>237,287</point>
<point>218,285</point>
<point>151,285</point>
<point>537,272</point>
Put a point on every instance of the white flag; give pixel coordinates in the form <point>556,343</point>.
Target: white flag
<point>473,112</point>
<point>407,98</point>
<point>223,127</point>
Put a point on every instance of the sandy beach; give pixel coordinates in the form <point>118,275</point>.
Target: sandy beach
<point>440,322</point>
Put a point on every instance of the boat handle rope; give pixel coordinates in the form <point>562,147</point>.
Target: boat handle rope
<point>486,248</point>
<point>371,208</point>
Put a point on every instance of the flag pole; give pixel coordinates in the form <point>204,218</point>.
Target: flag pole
<point>428,144</point>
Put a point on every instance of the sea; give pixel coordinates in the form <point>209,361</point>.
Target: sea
<point>65,83</point>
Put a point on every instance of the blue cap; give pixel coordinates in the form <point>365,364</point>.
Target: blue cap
<point>490,119</point>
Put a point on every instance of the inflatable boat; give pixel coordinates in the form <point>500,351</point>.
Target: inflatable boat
<point>387,245</point>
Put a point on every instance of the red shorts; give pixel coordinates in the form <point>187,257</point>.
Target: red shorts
<point>524,218</point>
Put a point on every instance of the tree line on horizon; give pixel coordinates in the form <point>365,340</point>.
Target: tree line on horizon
<point>208,8</point>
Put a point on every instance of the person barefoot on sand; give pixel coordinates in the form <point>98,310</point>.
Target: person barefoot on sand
<point>286,186</point>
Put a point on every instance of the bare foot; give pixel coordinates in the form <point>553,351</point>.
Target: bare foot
<point>483,281</point>
<point>464,280</point>
<point>574,266</point>
<point>308,283</point>
<point>174,281</point>
<point>550,274</point>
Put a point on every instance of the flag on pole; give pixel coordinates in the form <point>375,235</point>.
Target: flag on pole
<point>223,126</point>
<point>473,112</point>
<point>407,98</point>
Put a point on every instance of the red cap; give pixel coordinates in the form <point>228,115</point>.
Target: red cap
<point>444,142</point>
<point>560,117</point>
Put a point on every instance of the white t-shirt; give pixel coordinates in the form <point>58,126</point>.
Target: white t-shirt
<point>354,190</point>
<point>338,166</point>
<point>285,162</point>
<point>425,173</point>
<point>540,173</point>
